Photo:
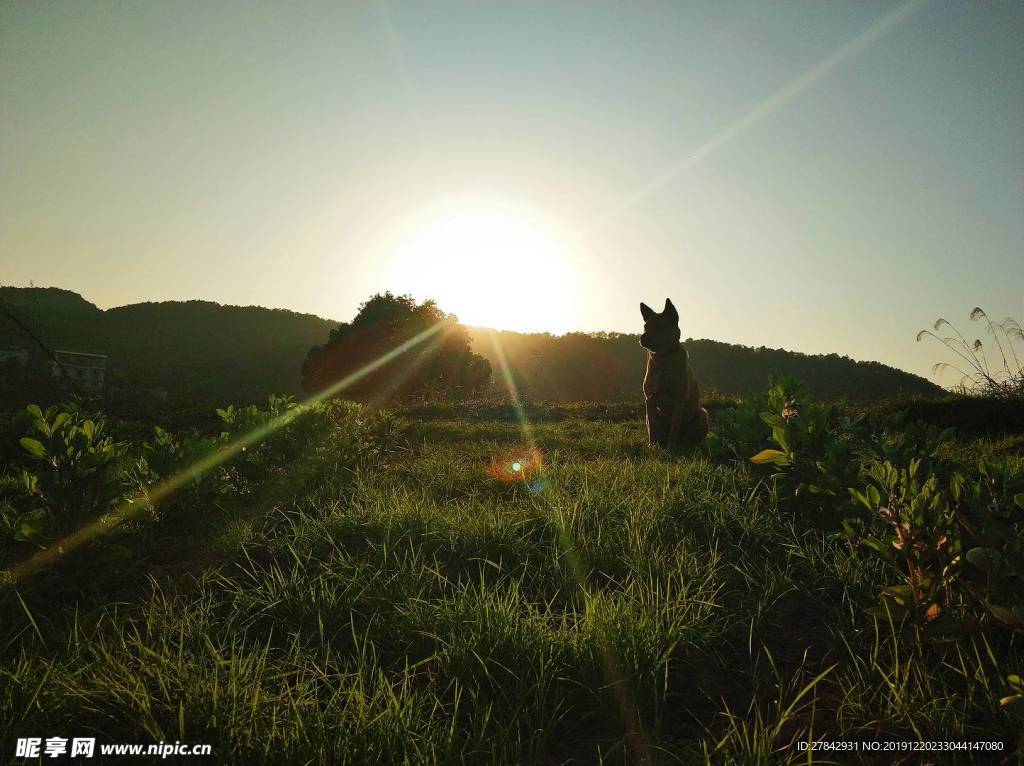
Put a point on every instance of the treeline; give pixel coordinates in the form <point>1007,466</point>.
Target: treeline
<point>199,352</point>
<point>610,367</point>
<point>196,350</point>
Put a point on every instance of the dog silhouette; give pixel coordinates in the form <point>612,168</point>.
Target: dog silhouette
<point>675,419</point>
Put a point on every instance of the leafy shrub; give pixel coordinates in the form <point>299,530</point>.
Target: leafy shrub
<point>814,446</point>
<point>896,438</point>
<point>22,516</point>
<point>168,453</point>
<point>958,545</point>
<point>742,426</point>
<point>338,433</point>
<point>78,469</point>
<point>921,542</point>
<point>955,539</point>
<point>75,471</point>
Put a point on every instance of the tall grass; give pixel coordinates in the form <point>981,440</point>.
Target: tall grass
<point>998,371</point>
<point>635,607</point>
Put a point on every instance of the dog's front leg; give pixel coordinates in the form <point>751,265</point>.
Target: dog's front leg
<point>677,422</point>
<point>655,425</point>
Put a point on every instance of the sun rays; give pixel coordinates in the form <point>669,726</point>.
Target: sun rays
<point>787,93</point>
<point>151,496</point>
<point>498,267</point>
<point>611,662</point>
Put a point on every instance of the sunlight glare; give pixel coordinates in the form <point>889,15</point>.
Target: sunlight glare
<point>492,265</point>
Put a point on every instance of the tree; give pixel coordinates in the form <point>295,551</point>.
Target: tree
<point>409,349</point>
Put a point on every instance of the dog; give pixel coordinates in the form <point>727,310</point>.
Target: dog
<point>675,419</point>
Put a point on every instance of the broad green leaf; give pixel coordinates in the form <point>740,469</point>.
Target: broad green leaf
<point>31,525</point>
<point>988,560</point>
<point>1014,703</point>
<point>1012,618</point>
<point>884,551</point>
<point>34,411</point>
<point>853,527</point>
<point>770,456</point>
<point>874,496</point>
<point>901,594</point>
<point>779,436</point>
<point>33,446</point>
<point>1019,499</point>
<point>30,482</point>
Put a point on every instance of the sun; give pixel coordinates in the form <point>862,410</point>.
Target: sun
<point>492,265</point>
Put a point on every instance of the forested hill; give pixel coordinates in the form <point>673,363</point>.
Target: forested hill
<point>190,348</point>
<point>233,353</point>
<point>608,366</point>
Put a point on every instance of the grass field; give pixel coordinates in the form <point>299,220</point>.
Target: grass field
<point>617,605</point>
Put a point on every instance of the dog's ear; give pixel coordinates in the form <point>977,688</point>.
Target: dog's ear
<point>670,311</point>
<point>647,312</point>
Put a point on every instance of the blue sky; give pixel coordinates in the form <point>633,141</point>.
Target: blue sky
<point>820,176</point>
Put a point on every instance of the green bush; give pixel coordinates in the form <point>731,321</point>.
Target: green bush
<point>957,545</point>
<point>336,433</point>
<point>75,472</point>
<point>955,540</point>
<point>76,469</point>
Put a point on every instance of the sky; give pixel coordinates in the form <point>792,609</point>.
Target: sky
<point>815,175</point>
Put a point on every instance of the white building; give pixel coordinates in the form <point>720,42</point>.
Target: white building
<point>87,371</point>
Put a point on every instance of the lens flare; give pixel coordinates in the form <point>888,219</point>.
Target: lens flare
<point>519,465</point>
<point>612,662</point>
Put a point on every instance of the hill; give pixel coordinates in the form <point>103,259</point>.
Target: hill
<point>211,352</point>
<point>196,348</point>
<point>610,366</point>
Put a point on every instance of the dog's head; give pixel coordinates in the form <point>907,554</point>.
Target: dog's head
<point>661,331</point>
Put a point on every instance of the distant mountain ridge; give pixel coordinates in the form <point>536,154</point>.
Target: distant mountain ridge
<point>610,366</point>
<point>223,353</point>
<point>194,348</point>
